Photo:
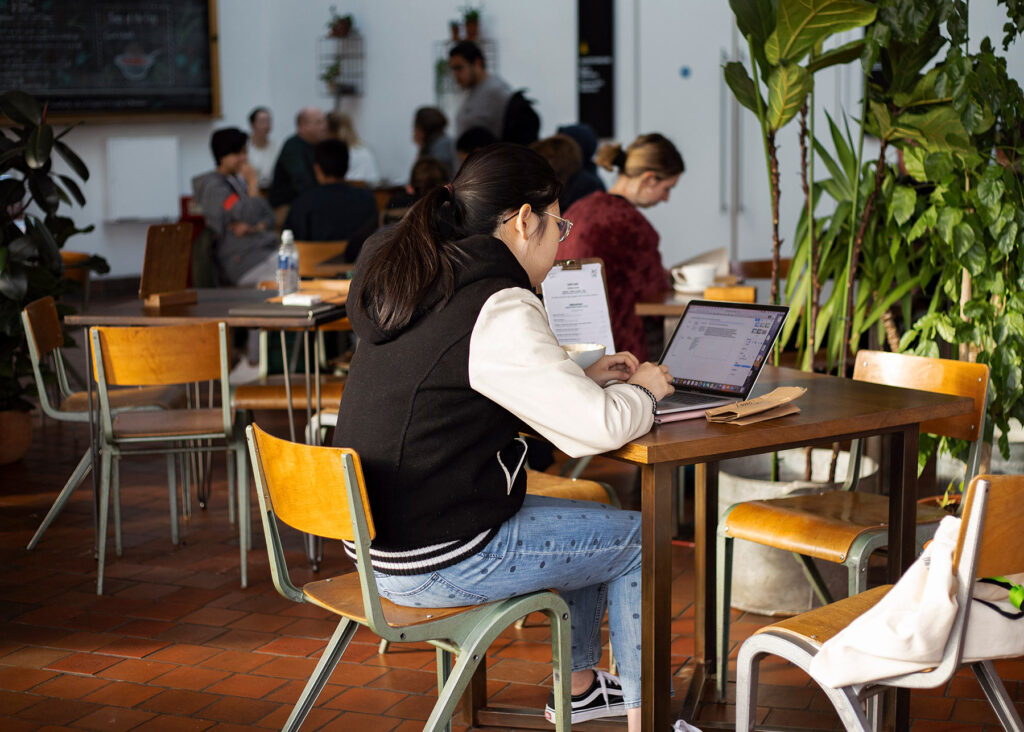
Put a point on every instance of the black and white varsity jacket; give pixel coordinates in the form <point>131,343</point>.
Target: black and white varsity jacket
<point>435,411</point>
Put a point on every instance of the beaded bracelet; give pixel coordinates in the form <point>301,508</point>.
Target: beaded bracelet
<point>648,392</point>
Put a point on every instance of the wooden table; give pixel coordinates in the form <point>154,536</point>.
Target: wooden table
<point>832,409</point>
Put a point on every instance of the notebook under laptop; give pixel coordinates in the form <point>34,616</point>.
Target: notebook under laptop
<point>716,353</point>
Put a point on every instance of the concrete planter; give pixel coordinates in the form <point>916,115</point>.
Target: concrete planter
<point>765,580</point>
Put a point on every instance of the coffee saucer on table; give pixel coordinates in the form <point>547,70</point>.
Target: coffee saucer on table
<point>687,289</point>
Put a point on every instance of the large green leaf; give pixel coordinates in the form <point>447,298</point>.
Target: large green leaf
<point>38,146</point>
<point>73,188</point>
<point>73,161</point>
<point>754,18</point>
<point>788,87</point>
<point>803,24</point>
<point>44,192</point>
<point>13,282</point>
<point>843,55</point>
<point>902,204</point>
<point>21,108</point>
<point>742,86</point>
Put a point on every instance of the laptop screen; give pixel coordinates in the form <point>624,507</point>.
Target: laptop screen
<point>719,347</point>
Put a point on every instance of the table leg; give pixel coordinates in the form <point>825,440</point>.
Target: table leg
<point>656,573</point>
<point>705,519</point>
<point>902,529</point>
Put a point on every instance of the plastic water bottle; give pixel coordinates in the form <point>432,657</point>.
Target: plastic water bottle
<point>287,264</point>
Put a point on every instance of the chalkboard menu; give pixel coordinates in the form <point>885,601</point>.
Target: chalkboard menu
<point>109,58</point>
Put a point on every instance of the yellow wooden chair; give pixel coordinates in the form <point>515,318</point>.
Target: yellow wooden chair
<point>164,355</point>
<point>847,526</point>
<point>45,339</point>
<point>988,545</point>
<point>321,491</point>
<point>312,255</point>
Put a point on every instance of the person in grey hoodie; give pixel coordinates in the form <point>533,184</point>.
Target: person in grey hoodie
<point>242,222</point>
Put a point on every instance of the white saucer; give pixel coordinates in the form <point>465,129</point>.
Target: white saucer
<point>687,289</point>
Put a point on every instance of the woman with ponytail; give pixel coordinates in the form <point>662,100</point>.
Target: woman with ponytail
<point>611,226</point>
<point>455,355</point>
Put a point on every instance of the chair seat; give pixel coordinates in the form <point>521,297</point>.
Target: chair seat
<point>546,484</point>
<point>271,395</point>
<point>176,423</point>
<point>165,397</point>
<point>820,624</point>
<point>823,526</point>
<point>342,595</point>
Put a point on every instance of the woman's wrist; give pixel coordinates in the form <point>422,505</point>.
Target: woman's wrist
<point>650,394</point>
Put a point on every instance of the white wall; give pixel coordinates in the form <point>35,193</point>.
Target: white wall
<point>268,56</point>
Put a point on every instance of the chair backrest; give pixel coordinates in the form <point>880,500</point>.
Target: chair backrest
<point>318,490</point>
<point>165,266</point>
<point>159,355</point>
<point>758,269</point>
<point>941,375</point>
<point>312,253</point>
<point>45,336</point>
<point>731,293</point>
<point>988,545</point>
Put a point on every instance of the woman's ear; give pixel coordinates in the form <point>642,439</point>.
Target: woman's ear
<point>522,220</point>
<point>648,178</point>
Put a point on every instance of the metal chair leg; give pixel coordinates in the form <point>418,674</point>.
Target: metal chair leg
<point>105,468</point>
<point>115,488</point>
<point>997,696</point>
<point>444,671</point>
<point>77,476</point>
<point>244,514</point>
<point>172,491</point>
<point>328,660</point>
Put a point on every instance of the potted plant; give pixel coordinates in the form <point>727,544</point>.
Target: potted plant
<point>471,19</point>
<point>453,28</point>
<point>339,26</point>
<point>30,259</point>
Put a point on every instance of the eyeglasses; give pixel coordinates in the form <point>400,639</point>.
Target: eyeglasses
<point>564,225</point>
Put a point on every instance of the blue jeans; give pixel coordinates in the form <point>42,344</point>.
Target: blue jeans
<point>588,552</point>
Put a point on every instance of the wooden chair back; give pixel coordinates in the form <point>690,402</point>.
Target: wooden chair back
<point>42,327</point>
<point>74,266</point>
<point>158,355</point>
<point>731,293</point>
<point>305,486</point>
<point>167,261</point>
<point>1001,551</point>
<point>759,269</point>
<point>312,253</point>
<point>940,375</point>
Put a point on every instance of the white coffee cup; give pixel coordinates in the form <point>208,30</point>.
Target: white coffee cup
<point>584,354</point>
<point>694,276</point>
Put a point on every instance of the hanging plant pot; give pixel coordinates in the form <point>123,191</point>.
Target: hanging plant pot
<point>766,580</point>
<point>472,29</point>
<point>453,27</point>
<point>15,435</point>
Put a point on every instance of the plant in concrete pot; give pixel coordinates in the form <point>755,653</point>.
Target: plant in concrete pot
<point>30,260</point>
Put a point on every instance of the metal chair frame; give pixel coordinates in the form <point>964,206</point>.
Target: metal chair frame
<point>466,634</point>
<point>115,446</point>
<point>859,705</point>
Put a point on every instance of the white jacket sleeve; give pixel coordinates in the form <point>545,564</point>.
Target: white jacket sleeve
<point>515,360</point>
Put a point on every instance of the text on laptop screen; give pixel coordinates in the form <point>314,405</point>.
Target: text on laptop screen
<point>720,348</point>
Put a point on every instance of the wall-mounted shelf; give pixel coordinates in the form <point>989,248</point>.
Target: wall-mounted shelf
<point>343,60</point>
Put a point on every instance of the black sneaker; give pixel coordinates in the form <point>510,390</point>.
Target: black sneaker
<point>602,699</point>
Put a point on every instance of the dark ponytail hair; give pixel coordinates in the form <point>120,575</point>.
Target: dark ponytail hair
<point>423,252</point>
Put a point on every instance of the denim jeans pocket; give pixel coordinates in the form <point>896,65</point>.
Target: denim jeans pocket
<point>432,591</point>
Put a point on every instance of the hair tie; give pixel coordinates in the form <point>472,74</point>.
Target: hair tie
<point>620,159</point>
<point>451,191</point>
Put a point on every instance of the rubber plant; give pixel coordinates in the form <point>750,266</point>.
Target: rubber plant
<point>30,259</point>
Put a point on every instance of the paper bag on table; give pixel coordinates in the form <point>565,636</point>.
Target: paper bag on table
<point>775,403</point>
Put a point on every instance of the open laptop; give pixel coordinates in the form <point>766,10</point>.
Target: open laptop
<point>716,353</point>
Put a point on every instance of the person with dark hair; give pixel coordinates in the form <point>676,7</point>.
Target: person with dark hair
<point>262,150</point>
<point>473,139</point>
<point>428,126</point>
<point>241,221</point>
<point>565,157</point>
<point>293,171</point>
<point>333,210</point>
<point>586,181</point>
<point>426,173</point>
<point>611,227</point>
<point>487,94</point>
<point>455,355</point>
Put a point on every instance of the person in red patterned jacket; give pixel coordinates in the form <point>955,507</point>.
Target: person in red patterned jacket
<point>610,226</point>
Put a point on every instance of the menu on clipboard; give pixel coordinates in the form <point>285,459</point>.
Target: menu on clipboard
<point>576,300</point>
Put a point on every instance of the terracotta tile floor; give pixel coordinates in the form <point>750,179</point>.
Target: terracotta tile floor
<point>175,644</point>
